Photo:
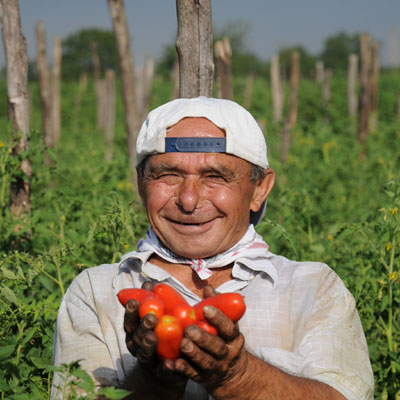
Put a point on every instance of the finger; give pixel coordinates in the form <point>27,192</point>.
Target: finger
<point>198,358</point>
<point>187,370</point>
<point>131,317</point>
<point>146,325</point>
<point>148,285</point>
<point>211,344</point>
<point>209,291</point>
<point>146,353</point>
<point>226,328</point>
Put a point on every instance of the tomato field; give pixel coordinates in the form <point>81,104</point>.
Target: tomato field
<point>333,201</point>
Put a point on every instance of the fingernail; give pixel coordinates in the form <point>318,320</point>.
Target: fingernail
<point>186,345</point>
<point>193,332</point>
<point>209,311</point>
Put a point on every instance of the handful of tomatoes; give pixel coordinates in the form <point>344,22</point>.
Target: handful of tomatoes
<point>174,314</point>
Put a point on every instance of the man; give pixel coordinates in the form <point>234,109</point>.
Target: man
<point>204,178</point>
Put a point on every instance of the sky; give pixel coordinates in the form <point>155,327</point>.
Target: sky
<point>271,24</point>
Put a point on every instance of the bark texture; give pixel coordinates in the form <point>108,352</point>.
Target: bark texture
<point>18,103</point>
<point>194,47</point>
<point>132,122</point>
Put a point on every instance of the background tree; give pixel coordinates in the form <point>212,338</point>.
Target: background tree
<point>337,48</point>
<point>77,52</point>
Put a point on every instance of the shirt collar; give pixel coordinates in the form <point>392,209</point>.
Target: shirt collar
<point>243,269</point>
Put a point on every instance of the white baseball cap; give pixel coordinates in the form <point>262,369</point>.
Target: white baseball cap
<point>244,137</point>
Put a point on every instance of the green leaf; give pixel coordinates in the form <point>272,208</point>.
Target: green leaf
<point>6,351</point>
<point>114,393</point>
<point>9,294</point>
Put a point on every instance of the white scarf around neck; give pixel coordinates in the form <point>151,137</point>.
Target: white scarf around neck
<point>251,246</point>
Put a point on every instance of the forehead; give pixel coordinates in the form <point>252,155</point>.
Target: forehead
<point>195,127</point>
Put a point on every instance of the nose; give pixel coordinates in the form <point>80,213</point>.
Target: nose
<point>189,195</point>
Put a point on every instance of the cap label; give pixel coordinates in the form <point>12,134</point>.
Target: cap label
<point>193,144</point>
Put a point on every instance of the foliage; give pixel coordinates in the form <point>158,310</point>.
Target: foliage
<point>307,61</point>
<point>337,48</point>
<point>328,205</point>
<point>77,52</point>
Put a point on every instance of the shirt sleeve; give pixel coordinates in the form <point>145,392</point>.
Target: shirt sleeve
<point>78,336</point>
<point>333,347</point>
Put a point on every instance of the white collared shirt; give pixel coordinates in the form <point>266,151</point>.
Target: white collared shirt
<point>299,317</point>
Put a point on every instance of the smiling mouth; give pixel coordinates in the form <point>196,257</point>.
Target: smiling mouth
<point>188,223</point>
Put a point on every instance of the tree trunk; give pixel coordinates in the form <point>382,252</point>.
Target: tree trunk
<point>18,103</point>
<point>352,74</point>
<point>132,122</point>
<point>365,88</point>
<point>194,47</point>
<point>223,55</point>
<point>373,117</point>
<point>55,91</point>
<point>276,88</point>
<point>291,118</point>
<point>44,84</point>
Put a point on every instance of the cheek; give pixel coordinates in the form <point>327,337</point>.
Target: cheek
<point>157,197</point>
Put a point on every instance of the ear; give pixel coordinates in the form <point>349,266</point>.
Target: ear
<point>262,189</point>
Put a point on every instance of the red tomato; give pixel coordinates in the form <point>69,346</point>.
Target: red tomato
<point>151,305</point>
<point>169,296</point>
<point>185,313</point>
<point>136,294</point>
<point>169,331</point>
<point>203,324</point>
<point>231,304</point>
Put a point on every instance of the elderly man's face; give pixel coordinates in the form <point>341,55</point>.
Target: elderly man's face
<point>199,203</point>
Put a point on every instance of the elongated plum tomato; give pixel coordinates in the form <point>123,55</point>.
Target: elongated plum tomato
<point>169,296</point>
<point>169,331</point>
<point>206,326</point>
<point>185,313</point>
<point>151,305</point>
<point>231,304</point>
<point>139,295</point>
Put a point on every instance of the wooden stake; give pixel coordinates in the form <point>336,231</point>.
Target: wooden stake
<point>44,84</point>
<point>326,86</point>
<point>109,112</point>
<point>223,55</point>
<point>291,118</point>
<point>248,90</point>
<point>194,47</point>
<point>319,68</point>
<point>144,79</point>
<point>374,82</point>
<point>18,103</point>
<point>352,77</point>
<point>55,91</point>
<point>276,88</point>
<point>365,88</point>
<point>132,121</point>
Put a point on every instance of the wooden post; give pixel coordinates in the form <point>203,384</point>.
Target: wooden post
<point>194,47</point>
<point>144,78</point>
<point>82,85</point>
<point>18,103</point>
<point>326,86</point>
<point>276,88</point>
<point>374,81</point>
<point>352,76</point>
<point>99,87</point>
<point>109,123</point>
<point>365,88</point>
<point>132,122</point>
<point>248,90</point>
<point>55,91</point>
<point>223,55</point>
<point>175,81</point>
<point>319,69</point>
<point>291,118</point>
<point>44,84</point>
